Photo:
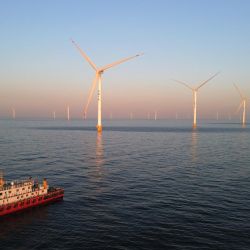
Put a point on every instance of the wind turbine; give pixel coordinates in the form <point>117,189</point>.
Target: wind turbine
<point>155,115</point>
<point>242,104</point>
<point>54,115</point>
<point>98,78</point>
<point>13,113</point>
<point>195,91</point>
<point>68,116</point>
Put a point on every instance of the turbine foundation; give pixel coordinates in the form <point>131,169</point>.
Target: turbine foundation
<point>99,128</point>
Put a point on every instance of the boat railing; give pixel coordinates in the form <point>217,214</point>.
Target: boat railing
<point>15,184</point>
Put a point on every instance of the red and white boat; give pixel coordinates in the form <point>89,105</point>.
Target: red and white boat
<point>20,195</point>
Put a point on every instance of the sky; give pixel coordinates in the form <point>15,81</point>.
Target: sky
<point>41,71</point>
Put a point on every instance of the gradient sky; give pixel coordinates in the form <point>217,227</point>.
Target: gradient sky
<point>41,71</point>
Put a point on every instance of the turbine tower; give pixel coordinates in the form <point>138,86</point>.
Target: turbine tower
<point>98,78</point>
<point>13,113</point>
<point>155,115</point>
<point>68,116</point>
<point>195,91</point>
<point>242,104</point>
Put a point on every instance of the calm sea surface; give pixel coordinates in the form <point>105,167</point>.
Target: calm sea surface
<point>141,185</point>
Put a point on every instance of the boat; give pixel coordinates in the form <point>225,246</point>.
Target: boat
<point>16,196</point>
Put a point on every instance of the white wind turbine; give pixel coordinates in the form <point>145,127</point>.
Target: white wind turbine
<point>242,104</point>
<point>195,90</point>
<point>98,78</point>
<point>68,115</point>
<point>13,113</point>
<point>155,115</point>
<point>54,115</point>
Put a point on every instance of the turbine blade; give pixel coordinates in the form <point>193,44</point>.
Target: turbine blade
<point>241,95</point>
<point>238,109</point>
<point>91,91</point>
<point>119,62</point>
<point>183,83</point>
<point>85,56</point>
<point>209,79</point>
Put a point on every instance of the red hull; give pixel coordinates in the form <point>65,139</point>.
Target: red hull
<point>32,202</point>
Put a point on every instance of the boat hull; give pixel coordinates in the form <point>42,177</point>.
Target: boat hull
<point>24,204</point>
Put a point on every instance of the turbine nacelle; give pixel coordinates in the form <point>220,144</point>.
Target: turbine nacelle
<point>100,72</point>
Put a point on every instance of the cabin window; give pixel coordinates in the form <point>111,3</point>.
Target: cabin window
<point>9,192</point>
<point>1,194</point>
<point>23,188</point>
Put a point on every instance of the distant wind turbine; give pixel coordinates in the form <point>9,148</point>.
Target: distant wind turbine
<point>98,78</point>
<point>195,91</point>
<point>68,116</point>
<point>242,104</point>
<point>155,115</point>
<point>13,113</point>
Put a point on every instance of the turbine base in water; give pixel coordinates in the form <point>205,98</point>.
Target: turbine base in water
<point>99,128</point>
